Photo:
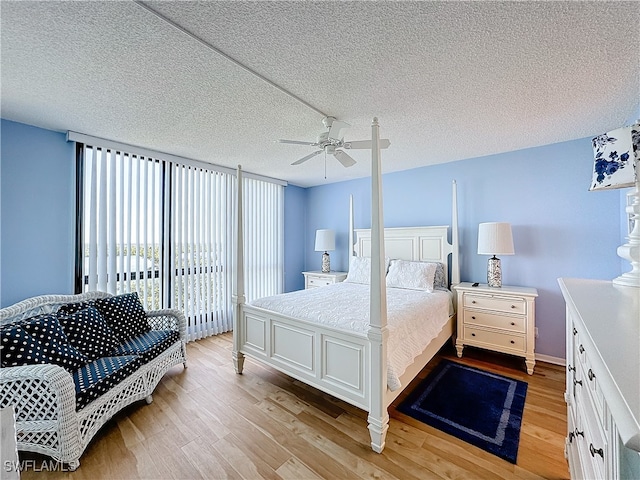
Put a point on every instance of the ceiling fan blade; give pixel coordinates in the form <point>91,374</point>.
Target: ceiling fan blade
<point>365,144</point>
<point>336,126</point>
<point>297,142</point>
<point>344,159</point>
<point>304,159</point>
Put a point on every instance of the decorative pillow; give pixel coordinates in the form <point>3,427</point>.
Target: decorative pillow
<point>18,348</point>
<point>46,330</point>
<point>88,331</point>
<point>411,275</point>
<point>70,308</point>
<point>438,279</point>
<point>125,315</point>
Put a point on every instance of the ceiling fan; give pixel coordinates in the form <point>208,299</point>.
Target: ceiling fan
<point>332,142</point>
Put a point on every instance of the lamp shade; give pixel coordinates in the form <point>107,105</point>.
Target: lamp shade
<point>615,155</point>
<point>495,238</point>
<point>325,240</point>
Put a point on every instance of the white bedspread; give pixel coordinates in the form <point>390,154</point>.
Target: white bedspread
<point>414,318</point>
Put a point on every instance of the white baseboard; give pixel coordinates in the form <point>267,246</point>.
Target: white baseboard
<point>549,359</point>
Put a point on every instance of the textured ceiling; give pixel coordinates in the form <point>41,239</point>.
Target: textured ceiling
<point>448,80</point>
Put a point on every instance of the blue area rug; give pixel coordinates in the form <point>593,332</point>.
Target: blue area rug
<point>481,408</point>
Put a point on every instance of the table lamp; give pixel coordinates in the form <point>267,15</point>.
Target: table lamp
<point>495,238</point>
<point>325,241</point>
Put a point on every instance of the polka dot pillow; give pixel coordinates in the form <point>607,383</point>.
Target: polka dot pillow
<point>17,348</point>
<point>125,315</point>
<point>88,332</point>
<point>46,335</point>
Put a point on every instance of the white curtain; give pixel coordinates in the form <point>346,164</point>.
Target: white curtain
<point>164,229</point>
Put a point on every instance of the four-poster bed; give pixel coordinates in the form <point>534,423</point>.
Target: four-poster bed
<point>352,363</point>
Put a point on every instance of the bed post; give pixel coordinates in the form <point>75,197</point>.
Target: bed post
<point>237,295</point>
<point>378,416</point>
<point>351,232</point>
<point>455,254</point>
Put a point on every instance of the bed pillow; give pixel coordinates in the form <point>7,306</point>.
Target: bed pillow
<point>360,270</point>
<point>411,275</point>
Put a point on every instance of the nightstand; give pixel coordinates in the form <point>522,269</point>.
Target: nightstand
<point>319,279</point>
<point>500,319</point>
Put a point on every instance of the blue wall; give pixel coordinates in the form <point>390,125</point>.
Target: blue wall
<point>295,220</point>
<point>38,212</point>
<point>560,229</point>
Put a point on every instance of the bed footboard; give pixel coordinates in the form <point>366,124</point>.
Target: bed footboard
<point>332,361</point>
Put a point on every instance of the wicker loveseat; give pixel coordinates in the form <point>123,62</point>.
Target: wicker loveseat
<point>70,362</point>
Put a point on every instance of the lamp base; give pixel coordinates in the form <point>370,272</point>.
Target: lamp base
<point>494,272</point>
<point>631,250</point>
<point>326,263</point>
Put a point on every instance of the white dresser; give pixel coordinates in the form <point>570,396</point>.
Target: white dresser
<point>320,279</point>
<point>501,319</point>
<point>603,379</point>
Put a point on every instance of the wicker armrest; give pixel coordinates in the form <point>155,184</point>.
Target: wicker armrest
<point>38,392</point>
<point>168,319</point>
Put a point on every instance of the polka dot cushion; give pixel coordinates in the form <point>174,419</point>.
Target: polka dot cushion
<point>96,378</point>
<point>125,315</point>
<point>148,345</point>
<point>74,307</point>
<point>46,330</point>
<point>88,331</point>
<point>18,348</point>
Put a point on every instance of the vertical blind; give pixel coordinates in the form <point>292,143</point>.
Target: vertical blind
<point>165,230</point>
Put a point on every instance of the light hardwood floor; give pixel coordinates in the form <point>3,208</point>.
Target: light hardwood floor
<point>207,422</point>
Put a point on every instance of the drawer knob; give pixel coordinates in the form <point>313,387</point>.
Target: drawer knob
<point>513,306</point>
<point>473,317</point>
<point>571,436</point>
<point>575,332</point>
<point>577,382</point>
<point>513,323</point>
<point>581,348</point>
<point>473,301</point>
<point>595,451</point>
<point>571,369</point>
<point>513,341</point>
<point>591,375</point>
<point>577,432</point>
<point>473,334</point>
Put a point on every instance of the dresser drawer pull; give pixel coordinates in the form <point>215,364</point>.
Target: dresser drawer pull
<point>473,301</point>
<point>577,432</point>
<point>513,306</point>
<point>571,369</point>
<point>513,323</point>
<point>591,375</point>
<point>571,436</point>
<point>513,341</point>
<point>473,334</point>
<point>581,348</point>
<point>594,450</point>
<point>473,317</point>
<point>575,332</point>
<point>577,382</point>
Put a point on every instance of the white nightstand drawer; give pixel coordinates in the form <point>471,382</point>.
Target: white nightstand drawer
<point>491,338</point>
<point>477,317</point>
<point>496,303</point>
<point>317,282</point>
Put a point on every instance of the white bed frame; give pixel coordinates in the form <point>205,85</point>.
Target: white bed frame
<point>348,366</point>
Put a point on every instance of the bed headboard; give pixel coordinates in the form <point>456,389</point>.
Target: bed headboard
<point>425,244</point>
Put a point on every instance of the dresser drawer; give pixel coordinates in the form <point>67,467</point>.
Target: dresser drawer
<point>491,338</point>
<point>496,303</point>
<point>317,282</point>
<point>504,322</point>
